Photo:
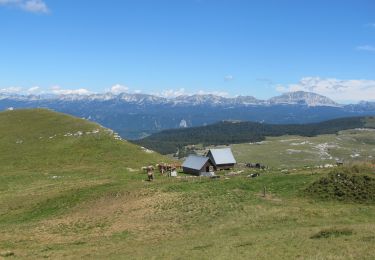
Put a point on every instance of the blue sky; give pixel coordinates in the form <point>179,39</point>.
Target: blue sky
<point>172,47</point>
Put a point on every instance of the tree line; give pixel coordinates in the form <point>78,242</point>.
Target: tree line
<point>231,132</point>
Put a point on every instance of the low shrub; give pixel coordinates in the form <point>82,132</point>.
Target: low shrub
<point>332,232</point>
<point>346,184</point>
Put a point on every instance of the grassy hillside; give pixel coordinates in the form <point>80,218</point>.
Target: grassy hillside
<point>83,197</point>
<point>169,141</point>
<point>42,139</point>
<point>51,162</point>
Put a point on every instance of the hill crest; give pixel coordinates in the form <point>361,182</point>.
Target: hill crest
<point>43,139</point>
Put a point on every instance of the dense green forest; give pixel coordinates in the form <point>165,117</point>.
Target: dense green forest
<point>228,132</point>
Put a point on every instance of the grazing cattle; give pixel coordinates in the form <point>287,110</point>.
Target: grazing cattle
<point>256,166</point>
<point>177,166</point>
<point>163,167</point>
<point>150,172</point>
<point>253,175</point>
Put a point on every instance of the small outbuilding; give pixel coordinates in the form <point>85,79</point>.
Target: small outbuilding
<point>222,158</point>
<point>197,165</point>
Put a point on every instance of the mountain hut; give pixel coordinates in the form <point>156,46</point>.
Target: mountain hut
<point>222,158</point>
<point>197,165</point>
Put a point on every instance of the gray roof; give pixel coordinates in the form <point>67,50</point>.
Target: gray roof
<point>195,162</point>
<point>222,156</point>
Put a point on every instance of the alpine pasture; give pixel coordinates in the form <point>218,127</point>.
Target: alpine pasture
<point>72,189</point>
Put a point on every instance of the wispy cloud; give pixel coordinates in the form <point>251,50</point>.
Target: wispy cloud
<point>34,90</point>
<point>228,78</point>
<point>372,25</point>
<point>11,90</point>
<point>33,6</point>
<point>57,90</point>
<point>339,90</point>
<point>172,93</point>
<point>369,48</point>
<point>216,93</point>
<point>22,91</point>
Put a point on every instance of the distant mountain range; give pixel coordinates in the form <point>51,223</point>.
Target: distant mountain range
<point>135,116</point>
<point>298,97</point>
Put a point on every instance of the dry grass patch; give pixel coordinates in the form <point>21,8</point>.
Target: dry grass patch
<point>269,197</point>
<point>116,213</point>
<point>114,218</point>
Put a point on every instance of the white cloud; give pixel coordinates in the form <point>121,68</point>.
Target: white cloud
<point>281,88</point>
<point>366,48</point>
<point>228,78</point>
<point>172,93</point>
<point>59,91</point>
<point>20,90</point>
<point>33,6</point>
<point>118,89</point>
<point>33,90</point>
<point>11,90</point>
<point>338,90</point>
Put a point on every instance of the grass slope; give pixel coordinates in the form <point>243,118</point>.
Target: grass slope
<point>93,204</point>
<point>50,162</point>
<point>168,141</point>
<point>42,139</point>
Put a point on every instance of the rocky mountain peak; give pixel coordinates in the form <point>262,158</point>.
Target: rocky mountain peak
<point>303,98</point>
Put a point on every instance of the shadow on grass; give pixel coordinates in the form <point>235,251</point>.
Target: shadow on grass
<point>332,232</point>
<point>57,205</point>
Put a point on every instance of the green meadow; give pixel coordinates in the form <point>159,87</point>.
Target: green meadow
<point>347,146</point>
<point>71,189</point>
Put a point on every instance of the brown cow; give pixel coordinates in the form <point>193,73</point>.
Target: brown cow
<point>150,173</point>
